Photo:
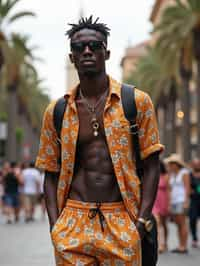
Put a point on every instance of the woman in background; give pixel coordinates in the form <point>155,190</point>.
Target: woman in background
<point>179,199</point>
<point>161,208</point>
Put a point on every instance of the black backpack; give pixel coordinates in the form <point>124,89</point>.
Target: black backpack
<point>149,243</point>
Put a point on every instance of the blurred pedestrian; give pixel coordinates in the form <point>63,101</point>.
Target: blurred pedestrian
<point>194,212</point>
<point>1,189</point>
<point>179,199</point>
<point>18,172</point>
<point>31,179</point>
<point>11,183</point>
<point>161,208</point>
<point>4,170</point>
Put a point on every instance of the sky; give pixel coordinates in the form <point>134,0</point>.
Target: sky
<point>127,19</point>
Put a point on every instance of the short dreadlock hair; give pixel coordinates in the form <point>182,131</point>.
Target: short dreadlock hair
<point>87,23</point>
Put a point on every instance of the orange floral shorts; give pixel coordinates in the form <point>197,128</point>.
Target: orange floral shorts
<point>96,234</point>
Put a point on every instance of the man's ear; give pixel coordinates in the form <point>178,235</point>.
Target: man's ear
<point>71,58</point>
<point>107,54</point>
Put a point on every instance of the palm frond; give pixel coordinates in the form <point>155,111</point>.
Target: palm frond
<point>20,15</point>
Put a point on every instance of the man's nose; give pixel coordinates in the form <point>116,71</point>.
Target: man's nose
<point>87,50</point>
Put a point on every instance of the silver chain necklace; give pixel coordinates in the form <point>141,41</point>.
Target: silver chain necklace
<point>92,110</point>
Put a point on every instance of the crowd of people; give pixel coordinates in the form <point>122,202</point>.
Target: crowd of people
<point>21,189</point>
<point>178,201</point>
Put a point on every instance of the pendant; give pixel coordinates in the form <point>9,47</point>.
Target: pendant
<point>95,126</point>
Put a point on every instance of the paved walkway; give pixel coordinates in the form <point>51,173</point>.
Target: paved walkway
<point>29,245</point>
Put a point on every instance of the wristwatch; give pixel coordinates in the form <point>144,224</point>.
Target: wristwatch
<point>148,224</point>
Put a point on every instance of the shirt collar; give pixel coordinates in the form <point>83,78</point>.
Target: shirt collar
<point>114,89</point>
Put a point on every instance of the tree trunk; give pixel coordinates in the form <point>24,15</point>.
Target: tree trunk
<point>12,122</point>
<point>198,107</point>
<point>186,103</point>
<point>196,35</point>
<point>1,60</point>
<point>172,109</point>
<point>166,129</point>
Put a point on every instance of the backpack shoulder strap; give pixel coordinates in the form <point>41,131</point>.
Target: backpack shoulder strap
<point>128,102</point>
<point>58,114</point>
<point>130,112</point>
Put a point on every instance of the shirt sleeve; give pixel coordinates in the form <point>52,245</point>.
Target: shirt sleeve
<point>147,123</point>
<point>49,150</point>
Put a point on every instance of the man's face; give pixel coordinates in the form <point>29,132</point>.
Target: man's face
<point>88,52</point>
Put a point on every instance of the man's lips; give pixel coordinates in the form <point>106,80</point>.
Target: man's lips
<point>87,62</point>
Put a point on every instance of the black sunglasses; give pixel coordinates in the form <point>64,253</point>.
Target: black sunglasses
<point>94,46</point>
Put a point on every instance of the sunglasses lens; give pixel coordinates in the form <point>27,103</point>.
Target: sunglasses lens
<point>80,46</point>
<point>95,45</point>
<point>77,47</point>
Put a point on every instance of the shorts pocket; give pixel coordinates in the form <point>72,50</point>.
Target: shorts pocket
<point>57,223</point>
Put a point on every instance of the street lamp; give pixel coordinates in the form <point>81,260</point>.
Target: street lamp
<point>180,114</point>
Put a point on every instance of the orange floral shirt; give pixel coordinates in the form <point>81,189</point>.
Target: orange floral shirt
<point>118,140</point>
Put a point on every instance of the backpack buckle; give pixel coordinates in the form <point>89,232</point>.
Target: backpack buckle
<point>58,140</point>
<point>134,129</point>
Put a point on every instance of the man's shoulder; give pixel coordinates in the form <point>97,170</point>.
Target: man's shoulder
<point>143,100</point>
<point>141,95</point>
<point>50,107</point>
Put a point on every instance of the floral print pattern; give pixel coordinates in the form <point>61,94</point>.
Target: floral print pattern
<point>116,245</point>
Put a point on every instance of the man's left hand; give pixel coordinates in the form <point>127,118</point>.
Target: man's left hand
<point>141,229</point>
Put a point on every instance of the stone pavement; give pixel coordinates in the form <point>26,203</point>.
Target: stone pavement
<point>29,245</point>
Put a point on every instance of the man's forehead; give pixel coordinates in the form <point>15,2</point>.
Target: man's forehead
<point>88,33</point>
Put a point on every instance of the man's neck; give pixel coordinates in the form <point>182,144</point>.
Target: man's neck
<point>94,86</point>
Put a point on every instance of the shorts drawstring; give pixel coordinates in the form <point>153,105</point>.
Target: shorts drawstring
<point>94,211</point>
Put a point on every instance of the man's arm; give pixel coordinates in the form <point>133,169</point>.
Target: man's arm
<point>149,188</point>
<point>50,194</point>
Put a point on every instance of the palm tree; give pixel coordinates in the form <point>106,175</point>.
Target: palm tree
<point>178,41</point>
<point>160,84</point>
<point>6,18</point>
<point>32,102</point>
<point>32,96</point>
<point>26,98</point>
<point>17,58</point>
<point>8,52</point>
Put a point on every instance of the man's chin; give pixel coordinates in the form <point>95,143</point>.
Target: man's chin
<point>90,73</point>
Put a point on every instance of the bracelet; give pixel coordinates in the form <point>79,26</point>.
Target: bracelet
<point>148,224</point>
<point>141,220</point>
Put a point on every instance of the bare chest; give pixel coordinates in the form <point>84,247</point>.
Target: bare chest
<point>91,125</point>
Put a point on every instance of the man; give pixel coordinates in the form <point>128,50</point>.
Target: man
<point>93,198</point>
<point>31,180</point>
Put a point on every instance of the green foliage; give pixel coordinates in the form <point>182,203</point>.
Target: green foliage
<point>150,75</point>
<point>175,31</point>
<point>160,68</point>
<point>19,68</point>
<point>6,7</point>
<point>19,132</point>
<point>3,116</point>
